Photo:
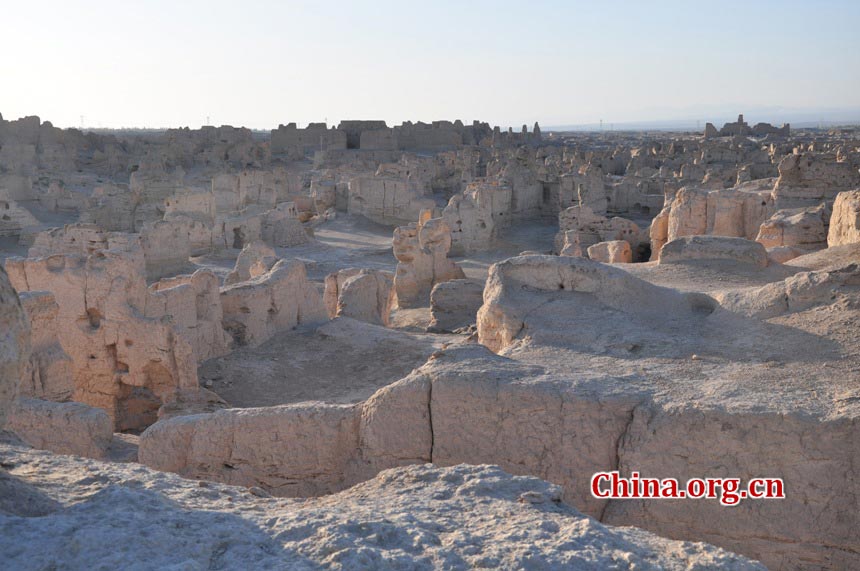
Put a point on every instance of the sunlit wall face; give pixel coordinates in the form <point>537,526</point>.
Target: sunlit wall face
<point>260,63</point>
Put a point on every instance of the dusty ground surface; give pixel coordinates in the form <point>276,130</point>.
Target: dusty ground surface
<point>343,361</point>
<point>354,242</point>
<point>708,276</point>
<point>336,363</point>
<point>534,235</point>
<point>345,242</point>
<point>71,513</point>
<point>805,360</point>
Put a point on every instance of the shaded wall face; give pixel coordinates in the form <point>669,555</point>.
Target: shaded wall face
<point>14,345</point>
<point>354,130</point>
<point>307,140</point>
<point>122,362</point>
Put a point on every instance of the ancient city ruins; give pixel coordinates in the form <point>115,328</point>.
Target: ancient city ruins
<point>366,346</point>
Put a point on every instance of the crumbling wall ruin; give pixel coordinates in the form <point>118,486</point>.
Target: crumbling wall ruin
<point>806,179</point>
<point>193,305</point>
<point>122,361</point>
<point>845,222</point>
<point>581,226</point>
<point>13,217</point>
<point>422,250</point>
<point>14,345</point>
<point>478,216</point>
<point>51,368</point>
<point>387,200</point>
<point>362,294</point>
<point>294,142</point>
<point>278,300</point>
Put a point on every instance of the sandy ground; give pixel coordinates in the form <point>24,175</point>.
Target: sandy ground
<point>346,242</point>
<point>806,359</point>
<point>343,361</point>
<point>65,512</point>
<point>708,275</point>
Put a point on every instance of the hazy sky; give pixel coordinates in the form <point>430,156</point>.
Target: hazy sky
<point>259,63</point>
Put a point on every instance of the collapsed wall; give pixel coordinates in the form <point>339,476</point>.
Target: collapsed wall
<point>802,228</point>
<point>713,248</point>
<point>51,368</point>
<point>194,306</point>
<point>793,212</point>
<point>122,361</point>
<point>807,179</point>
<point>531,423</point>
<point>510,293</point>
<point>582,227</point>
<point>387,200</point>
<point>62,427</point>
<point>845,221</point>
<point>582,407</point>
<point>478,215</point>
<point>454,304</point>
<point>303,449</point>
<point>14,218</point>
<point>730,212</point>
<point>14,345</point>
<point>421,249</point>
<point>255,259</point>
<point>362,294</point>
<point>275,301</point>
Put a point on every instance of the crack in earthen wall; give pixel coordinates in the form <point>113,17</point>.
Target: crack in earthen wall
<point>616,464</point>
<point>430,418</point>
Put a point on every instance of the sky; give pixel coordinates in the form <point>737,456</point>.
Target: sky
<point>259,63</point>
